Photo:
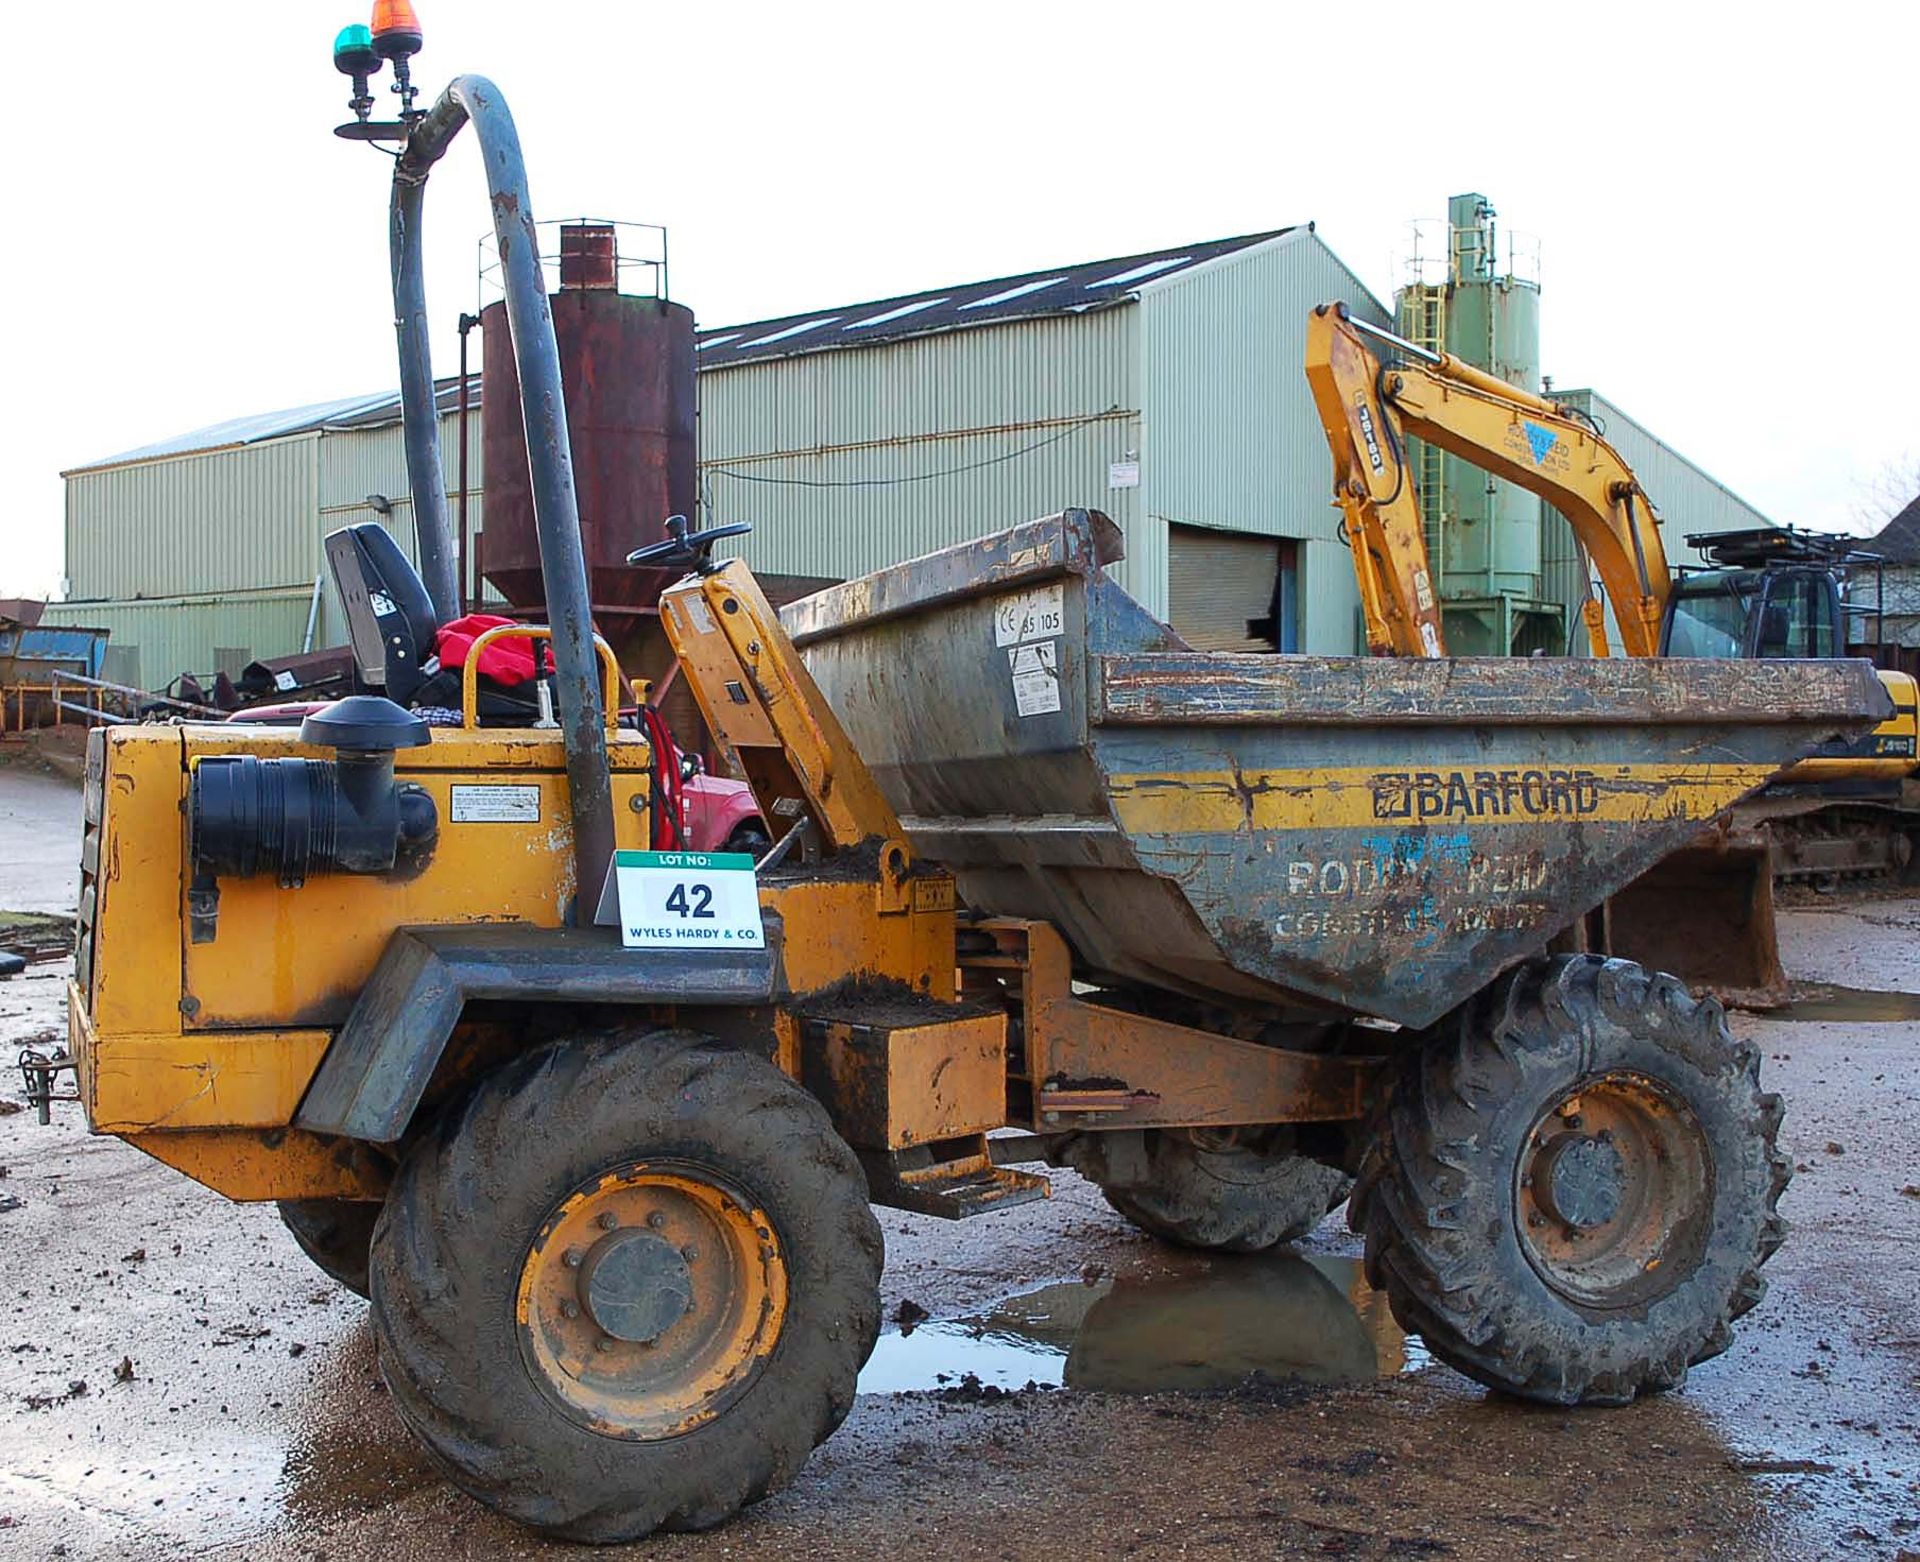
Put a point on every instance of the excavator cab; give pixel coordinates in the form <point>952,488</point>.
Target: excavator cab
<point>1770,594</point>
<point>1748,614</point>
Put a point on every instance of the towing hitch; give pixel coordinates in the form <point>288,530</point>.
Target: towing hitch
<point>38,1071</point>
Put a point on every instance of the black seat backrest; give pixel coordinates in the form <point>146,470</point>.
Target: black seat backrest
<point>390,617</point>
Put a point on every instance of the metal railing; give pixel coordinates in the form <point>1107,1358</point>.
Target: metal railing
<point>24,705</point>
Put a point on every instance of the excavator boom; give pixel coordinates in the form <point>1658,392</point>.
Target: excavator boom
<point>1368,411</point>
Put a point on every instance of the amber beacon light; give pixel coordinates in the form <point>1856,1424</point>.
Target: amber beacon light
<point>397,37</point>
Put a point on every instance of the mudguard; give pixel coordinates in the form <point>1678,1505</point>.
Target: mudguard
<point>379,1065</point>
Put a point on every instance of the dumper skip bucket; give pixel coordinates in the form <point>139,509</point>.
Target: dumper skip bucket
<point>1383,836</point>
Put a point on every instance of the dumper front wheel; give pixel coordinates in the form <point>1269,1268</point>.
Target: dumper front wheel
<point>1211,1190</point>
<point>1574,1188</point>
<point>627,1285</point>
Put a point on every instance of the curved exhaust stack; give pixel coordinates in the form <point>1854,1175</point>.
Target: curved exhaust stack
<point>543,410</point>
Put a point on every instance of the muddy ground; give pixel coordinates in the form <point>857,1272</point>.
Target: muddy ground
<point>175,1379</point>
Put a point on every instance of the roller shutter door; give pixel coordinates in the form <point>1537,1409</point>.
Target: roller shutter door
<point>1223,587</point>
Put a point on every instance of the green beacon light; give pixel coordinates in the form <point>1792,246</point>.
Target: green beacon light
<point>353,55</point>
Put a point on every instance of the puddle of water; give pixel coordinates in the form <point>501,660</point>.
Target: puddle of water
<point>1851,1005</point>
<point>1285,1316</point>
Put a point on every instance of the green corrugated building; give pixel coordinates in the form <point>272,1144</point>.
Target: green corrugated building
<point>1164,388</point>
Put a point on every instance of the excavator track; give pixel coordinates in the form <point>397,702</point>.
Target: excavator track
<point>1836,845</point>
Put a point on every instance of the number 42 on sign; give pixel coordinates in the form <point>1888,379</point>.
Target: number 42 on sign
<point>683,900</point>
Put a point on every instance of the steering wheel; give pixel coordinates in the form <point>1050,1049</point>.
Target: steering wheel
<point>682,546</point>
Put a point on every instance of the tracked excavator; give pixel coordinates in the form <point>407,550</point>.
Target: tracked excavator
<point>1773,594</point>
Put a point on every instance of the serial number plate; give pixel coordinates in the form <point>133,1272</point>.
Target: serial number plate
<point>495,804</point>
<point>1039,614</point>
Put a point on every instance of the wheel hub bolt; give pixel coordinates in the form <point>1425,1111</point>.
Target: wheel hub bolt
<point>603,1344</point>
<point>569,1308</point>
<point>656,1220</point>
<point>690,1253</point>
<point>609,1220</point>
<point>573,1258</point>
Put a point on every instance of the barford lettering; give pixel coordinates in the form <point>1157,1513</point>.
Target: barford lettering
<point>1484,794</point>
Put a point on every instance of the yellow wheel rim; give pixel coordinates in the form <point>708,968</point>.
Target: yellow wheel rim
<point>1615,1192</point>
<point>651,1299</point>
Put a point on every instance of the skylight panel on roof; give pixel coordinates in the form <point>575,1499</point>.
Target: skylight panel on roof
<point>792,330</point>
<point>1139,272</point>
<point>894,314</point>
<point>1013,292</point>
<point>716,341</point>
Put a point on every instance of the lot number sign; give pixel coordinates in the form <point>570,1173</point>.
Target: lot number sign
<point>687,900</point>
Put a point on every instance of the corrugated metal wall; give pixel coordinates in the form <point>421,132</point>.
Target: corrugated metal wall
<point>848,461</point>
<point>919,444</point>
<point>1193,400</point>
<point>218,551</point>
<point>1688,501</point>
<point>155,641</point>
<point>224,520</point>
<point>357,463</point>
<point>1232,439</point>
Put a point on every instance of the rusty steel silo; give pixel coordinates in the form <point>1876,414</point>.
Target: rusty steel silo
<point>627,365</point>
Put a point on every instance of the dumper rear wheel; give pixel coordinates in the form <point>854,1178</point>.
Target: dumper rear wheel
<point>1212,1191</point>
<point>336,1234</point>
<point>628,1284</point>
<point>1573,1188</point>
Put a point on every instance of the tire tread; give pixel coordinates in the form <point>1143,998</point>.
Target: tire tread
<point>1443,1278</point>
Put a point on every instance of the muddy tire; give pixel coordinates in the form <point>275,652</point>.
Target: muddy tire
<point>1225,1200</point>
<point>336,1234</point>
<point>627,1284</point>
<point>1573,1188</point>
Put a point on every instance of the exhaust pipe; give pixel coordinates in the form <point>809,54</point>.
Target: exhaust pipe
<point>576,687</point>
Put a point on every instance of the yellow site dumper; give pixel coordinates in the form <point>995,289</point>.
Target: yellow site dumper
<point>597,1127</point>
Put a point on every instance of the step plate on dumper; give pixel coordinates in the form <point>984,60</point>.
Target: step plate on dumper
<point>1369,834</point>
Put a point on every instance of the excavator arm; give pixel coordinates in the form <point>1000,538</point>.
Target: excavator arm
<point>1374,489</point>
<point>1368,411</point>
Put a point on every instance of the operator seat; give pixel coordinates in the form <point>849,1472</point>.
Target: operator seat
<point>392,625</point>
<point>390,617</point>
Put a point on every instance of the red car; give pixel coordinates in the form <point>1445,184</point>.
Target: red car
<point>720,815</point>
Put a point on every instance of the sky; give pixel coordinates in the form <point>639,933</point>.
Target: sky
<point>1723,197</point>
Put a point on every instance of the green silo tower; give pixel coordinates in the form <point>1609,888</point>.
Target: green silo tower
<point>1483,534</point>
